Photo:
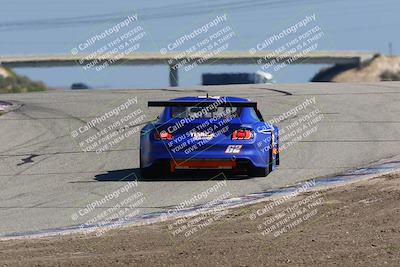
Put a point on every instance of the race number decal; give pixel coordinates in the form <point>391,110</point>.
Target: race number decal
<point>233,149</point>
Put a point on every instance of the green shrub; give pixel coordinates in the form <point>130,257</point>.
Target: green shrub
<point>19,84</point>
<point>390,76</point>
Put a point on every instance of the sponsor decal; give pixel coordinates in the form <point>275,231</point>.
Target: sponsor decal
<point>202,135</point>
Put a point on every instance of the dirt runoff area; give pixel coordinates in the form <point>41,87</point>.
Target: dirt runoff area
<point>352,225</point>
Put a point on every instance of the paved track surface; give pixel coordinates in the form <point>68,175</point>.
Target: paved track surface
<point>46,180</point>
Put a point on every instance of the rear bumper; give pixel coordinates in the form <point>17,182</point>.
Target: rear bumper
<point>216,149</point>
<point>248,152</point>
<point>221,164</point>
<point>236,166</point>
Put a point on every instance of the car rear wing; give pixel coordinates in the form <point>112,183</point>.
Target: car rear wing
<point>201,104</point>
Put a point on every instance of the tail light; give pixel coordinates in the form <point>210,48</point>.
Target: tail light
<point>163,135</point>
<point>242,135</point>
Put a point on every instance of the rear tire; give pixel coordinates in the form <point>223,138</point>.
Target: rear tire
<point>156,171</point>
<point>149,173</point>
<point>258,172</point>
<point>270,160</point>
<point>262,172</point>
<point>277,155</point>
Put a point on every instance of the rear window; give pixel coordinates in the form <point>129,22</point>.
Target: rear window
<point>201,112</point>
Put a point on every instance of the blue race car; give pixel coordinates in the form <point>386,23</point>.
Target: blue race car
<point>208,132</point>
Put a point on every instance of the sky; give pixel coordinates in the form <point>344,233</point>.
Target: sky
<point>56,27</point>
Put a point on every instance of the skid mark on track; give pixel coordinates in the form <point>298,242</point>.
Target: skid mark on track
<point>286,93</point>
<point>28,159</point>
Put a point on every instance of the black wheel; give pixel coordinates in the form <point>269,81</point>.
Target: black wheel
<point>262,172</point>
<point>270,161</point>
<point>145,173</point>
<point>258,172</point>
<point>277,159</point>
<point>277,155</point>
<point>155,171</point>
<point>149,173</point>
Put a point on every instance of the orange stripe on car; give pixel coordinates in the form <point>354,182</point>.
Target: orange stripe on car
<point>201,164</point>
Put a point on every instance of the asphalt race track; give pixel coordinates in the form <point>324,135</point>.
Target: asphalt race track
<point>46,180</point>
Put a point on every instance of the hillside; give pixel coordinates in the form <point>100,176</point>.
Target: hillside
<point>381,68</point>
<point>10,82</point>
